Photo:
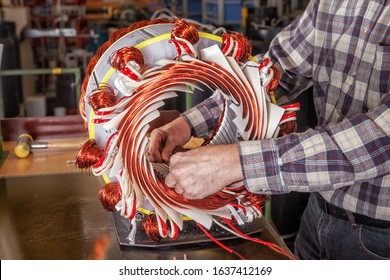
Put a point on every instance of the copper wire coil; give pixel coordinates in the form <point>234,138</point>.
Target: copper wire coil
<point>216,76</point>
<point>246,45</point>
<point>143,96</point>
<point>88,155</point>
<point>287,128</point>
<point>102,97</point>
<point>185,30</point>
<point>275,80</point>
<point>83,94</point>
<point>254,199</point>
<point>89,69</point>
<point>109,196</point>
<point>150,225</point>
<point>117,34</point>
<point>121,57</point>
<point>208,73</point>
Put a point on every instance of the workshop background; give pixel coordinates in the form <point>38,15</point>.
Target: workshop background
<point>46,47</point>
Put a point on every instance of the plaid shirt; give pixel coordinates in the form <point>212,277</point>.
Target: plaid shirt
<point>342,49</point>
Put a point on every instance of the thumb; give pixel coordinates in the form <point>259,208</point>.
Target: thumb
<point>170,180</point>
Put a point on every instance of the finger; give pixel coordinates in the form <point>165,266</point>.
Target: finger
<point>148,154</point>
<point>151,154</point>
<point>179,189</point>
<point>192,196</point>
<point>189,196</point>
<point>175,159</point>
<point>167,151</point>
<point>170,180</point>
<point>156,141</point>
<point>179,149</point>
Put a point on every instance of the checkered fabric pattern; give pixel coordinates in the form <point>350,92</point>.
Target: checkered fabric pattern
<point>342,49</point>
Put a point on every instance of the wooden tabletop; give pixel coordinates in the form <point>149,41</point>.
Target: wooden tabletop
<point>50,161</point>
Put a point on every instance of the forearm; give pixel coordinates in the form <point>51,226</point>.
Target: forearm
<point>332,156</point>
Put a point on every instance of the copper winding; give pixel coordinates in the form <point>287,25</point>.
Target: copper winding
<point>102,97</point>
<point>88,155</point>
<point>275,79</point>
<point>121,57</point>
<point>82,101</point>
<point>140,174</point>
<point>109,196</point>
<point>243,44</point>
<point>246,45</point>
<point>184,35</point>
<point>185,30</point>
<point>142,97</point>
<point>150,225</point>
<point>254,199</point>
<point>91,65</point>
<point>215,77</point>
<point>100,51</point>
<point>83,94</point>
<point>288,123</point>
<point>287,128</point>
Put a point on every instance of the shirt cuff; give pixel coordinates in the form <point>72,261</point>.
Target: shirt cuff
<point>261,166</point>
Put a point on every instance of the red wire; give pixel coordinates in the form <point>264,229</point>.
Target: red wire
<point>239,206</point>
<point>219,243</point>
<point>99,163</point>
<point>270,245</point>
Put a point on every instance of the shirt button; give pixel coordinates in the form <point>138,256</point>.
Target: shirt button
<point>365,29</point>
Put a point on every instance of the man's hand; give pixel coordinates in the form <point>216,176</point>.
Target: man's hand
<point>204,171</point>
<point>164,140</point>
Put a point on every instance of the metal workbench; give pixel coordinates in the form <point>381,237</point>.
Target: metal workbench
<point>57,215</point>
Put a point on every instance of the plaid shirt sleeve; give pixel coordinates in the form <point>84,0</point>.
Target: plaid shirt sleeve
<point>296,41</point>
<point>351,146</point>
<point>343,52</point>
<point>203,117</point>
<point>332,156</point>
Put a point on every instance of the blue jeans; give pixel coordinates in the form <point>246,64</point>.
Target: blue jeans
<point>322,236</point>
